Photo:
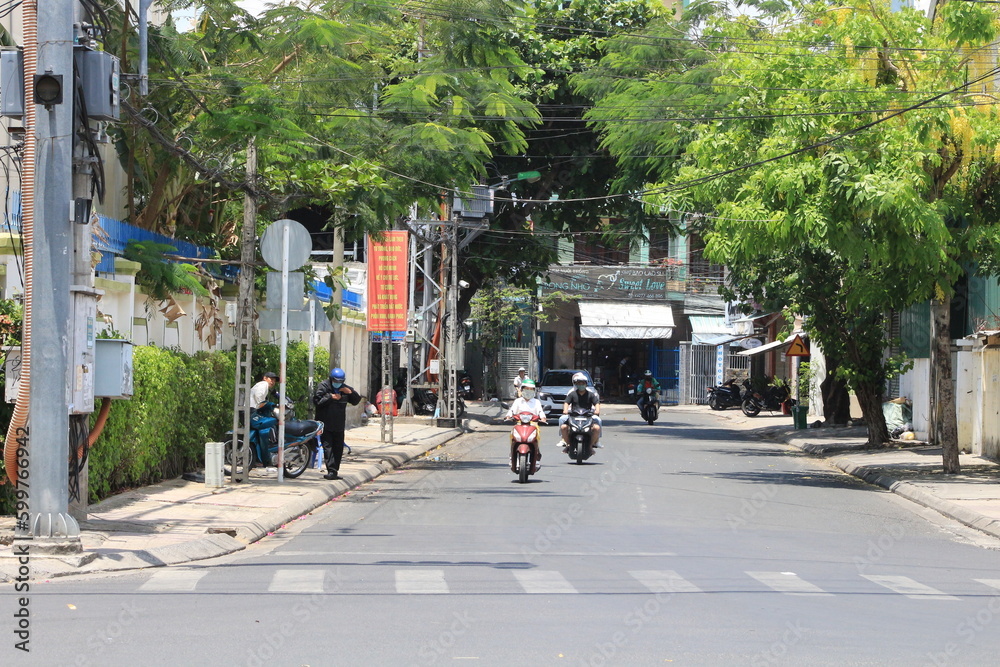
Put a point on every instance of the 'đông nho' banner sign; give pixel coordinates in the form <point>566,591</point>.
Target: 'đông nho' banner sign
<point>388,261</point>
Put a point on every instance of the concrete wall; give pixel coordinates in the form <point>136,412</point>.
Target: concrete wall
<point>915,385</point>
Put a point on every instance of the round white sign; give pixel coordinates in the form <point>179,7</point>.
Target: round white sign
<point>299,244</point>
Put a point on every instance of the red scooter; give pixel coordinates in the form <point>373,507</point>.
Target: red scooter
<point>524,445</point>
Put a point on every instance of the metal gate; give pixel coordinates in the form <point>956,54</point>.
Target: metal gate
<point>667,369</point>
<point>699,372</point>
<point>512,358</point>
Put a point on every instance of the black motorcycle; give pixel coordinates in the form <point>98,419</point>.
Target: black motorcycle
<point>465,388</point>
<point>650,407</point>
<point>726,395</point>
<point>424,402</point>
<point>770,398</point>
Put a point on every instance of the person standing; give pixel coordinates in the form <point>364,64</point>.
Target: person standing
<point>518,379</point>
<point>331,399</point>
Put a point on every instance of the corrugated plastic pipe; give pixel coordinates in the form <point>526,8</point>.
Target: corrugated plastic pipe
<point>19,421</point>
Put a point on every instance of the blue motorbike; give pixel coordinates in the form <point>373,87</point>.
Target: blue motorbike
<point>264,440</point>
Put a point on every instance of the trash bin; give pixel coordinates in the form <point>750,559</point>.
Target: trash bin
<point>799,413</point>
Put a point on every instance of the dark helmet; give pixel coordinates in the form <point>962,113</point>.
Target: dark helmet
<point>338,375</point>
<point>271,376</point>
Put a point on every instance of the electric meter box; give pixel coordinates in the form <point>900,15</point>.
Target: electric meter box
<point>113,368</point>
<point>12,83</point>
<point>99,75</point>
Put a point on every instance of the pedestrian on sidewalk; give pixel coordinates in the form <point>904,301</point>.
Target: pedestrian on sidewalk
<point>331,399</point>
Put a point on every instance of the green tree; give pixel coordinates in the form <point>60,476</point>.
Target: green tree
<point>847,149</point>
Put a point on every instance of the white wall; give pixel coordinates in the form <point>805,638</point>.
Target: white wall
<point>915,385</point>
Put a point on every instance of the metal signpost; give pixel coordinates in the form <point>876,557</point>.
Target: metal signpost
<point>285,245</point>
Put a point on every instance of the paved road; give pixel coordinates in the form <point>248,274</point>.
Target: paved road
<point>682,543</point>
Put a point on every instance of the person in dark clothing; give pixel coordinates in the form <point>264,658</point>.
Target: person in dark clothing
<point>331,399</point>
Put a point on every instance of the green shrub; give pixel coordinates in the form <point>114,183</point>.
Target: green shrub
<point>180,402</point>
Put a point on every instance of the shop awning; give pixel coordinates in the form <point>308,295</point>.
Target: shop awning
<point>773,345</point>
<point>708,327</point>
<point>604,319</point>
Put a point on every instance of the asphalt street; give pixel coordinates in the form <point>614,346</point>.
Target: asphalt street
<point>683,542</point>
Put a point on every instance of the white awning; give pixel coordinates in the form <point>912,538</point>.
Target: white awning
<point>773,345</point>
<point>604,319</point>
<point>705,328</point>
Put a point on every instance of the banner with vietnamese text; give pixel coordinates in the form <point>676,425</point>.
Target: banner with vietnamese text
<point>388,263</point>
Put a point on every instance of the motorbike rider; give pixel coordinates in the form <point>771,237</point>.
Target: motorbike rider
<point>519,380</point>
<point>527,402</point>
<point>647,381</point>
<point>586,398</point>
<point>331,399</point>
<point>258,400</point>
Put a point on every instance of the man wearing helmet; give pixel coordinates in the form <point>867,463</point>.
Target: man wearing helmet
<point>331,399</point>
<point>647,382</point>
<point>527,402</point>
<point>582,397</point>
<point>519,380</point>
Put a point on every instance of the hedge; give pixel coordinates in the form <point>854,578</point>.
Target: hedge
<point>180,402</point>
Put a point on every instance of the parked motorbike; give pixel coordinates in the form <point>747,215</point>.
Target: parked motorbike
<point>424,402</point>
<point>650,409</point>
<point>524,445</point>
<point>263,448</point>
<point>726,395</point>
<point>771,398</point>
<point>465,389</point>
<point>580,423</point>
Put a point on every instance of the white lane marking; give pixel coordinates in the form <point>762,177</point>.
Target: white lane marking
<point>466,554</point>
<point>421,581</point>
<point>664,581</point>
<point>908,587</point>
<point>992,583</point>
<point>543,581</point>
<point>297,581</point>
<point>176,579</point>
<point>788,583</point>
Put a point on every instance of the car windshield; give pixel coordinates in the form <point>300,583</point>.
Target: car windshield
<point>558,379</point>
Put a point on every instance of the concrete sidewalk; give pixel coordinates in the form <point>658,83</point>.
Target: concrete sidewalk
<point>910,469</point>
<point>178,521</point>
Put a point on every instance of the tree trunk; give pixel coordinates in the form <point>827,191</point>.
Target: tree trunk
<point>870,399</point>
<point>944,426</point>
<point>836,399</point>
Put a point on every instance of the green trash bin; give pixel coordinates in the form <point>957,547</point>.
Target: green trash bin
<point>799,413</point>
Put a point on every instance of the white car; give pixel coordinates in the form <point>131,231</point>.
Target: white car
<point>553,388</point>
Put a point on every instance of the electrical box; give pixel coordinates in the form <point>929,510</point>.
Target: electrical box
<point>113,368</point>
<point>478,206</point>
<point>99,75</point>
<point>12,83</point>
<point>81,362</point>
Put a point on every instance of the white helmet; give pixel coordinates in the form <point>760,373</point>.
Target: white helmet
<point>579,377</point>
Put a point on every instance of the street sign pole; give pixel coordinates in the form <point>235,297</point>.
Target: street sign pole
<point>284,353</point>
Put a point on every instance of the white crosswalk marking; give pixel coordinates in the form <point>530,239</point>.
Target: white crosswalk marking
<point>421,581</point>
<point>174,579</point>
<point>908,587</point>
<point>297,581</point>
<point>992,583</point>
<point>788,583</point>
<point>664,581</point>
<point>543,581</point>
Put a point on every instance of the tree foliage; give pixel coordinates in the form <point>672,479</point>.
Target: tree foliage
<point>845,156</point>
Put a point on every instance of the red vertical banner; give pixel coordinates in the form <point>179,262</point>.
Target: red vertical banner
<point>388,264</point>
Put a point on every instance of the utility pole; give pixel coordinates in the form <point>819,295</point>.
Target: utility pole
<point>52,527</point>
<point>242,409</point>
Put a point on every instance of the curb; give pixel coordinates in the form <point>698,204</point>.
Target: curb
<point>226,542</point>
<point>915,494</point>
